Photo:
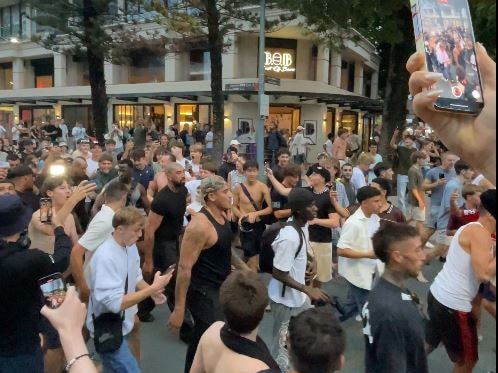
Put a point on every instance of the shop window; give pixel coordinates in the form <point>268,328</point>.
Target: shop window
<point>79,113</point>
<point>287,118</point>
<point>349,120</point>
<point>128,115</point>
<point>193,113</point>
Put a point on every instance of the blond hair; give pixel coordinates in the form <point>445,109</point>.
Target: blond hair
<point>366,158</point>
<point>128,216</point>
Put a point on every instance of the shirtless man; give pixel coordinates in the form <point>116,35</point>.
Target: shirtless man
<point>205,262</point>
<point>249,212</point>
<point>160,179</point>
<point>224,347</point>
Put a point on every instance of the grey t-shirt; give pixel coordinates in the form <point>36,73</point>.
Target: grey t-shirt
<point>433,176</point>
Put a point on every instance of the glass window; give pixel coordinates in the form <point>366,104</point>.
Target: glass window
<point>188,113</point>
<point>44,81</point>
<point>6,76</point>
<point>146,69</point>
<point>128,115</point>
<point>200,65</point>
<point>6,24</point>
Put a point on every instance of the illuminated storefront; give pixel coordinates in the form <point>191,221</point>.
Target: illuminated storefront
<point>128,115</point>
<point>190,113</point>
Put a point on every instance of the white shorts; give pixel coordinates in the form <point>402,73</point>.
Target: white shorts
<point>415,213</point>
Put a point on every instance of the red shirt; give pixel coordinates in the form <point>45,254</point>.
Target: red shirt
<point>465,217</point>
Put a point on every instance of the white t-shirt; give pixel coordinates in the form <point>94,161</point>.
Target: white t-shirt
<point>285,248</point>
<point>193,189</point>
<point>358,178</point>
<point>357,235</point>
<point>328,146</point>
<point>3,131</point>
<point>209,140</point>
<point>16,134</point>
<point>92,167</point>
<point>99,229</point>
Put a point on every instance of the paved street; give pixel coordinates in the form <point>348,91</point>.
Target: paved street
<point>162,353</point>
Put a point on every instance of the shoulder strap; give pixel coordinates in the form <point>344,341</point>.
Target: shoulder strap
<point>256,350</point>
<point>301,238</point>
<point>249,197</point>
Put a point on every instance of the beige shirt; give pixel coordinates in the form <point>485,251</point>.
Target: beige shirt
<point>45,242</point>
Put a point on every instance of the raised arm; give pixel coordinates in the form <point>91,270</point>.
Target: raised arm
<point>393,143</point>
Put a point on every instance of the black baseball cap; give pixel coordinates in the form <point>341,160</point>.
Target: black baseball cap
<point>83,141</point>
<point>317,169</point>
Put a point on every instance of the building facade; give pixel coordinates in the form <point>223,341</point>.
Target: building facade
<point>319,88</point>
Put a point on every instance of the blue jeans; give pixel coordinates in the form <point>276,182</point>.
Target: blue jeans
<point>32,363</point>
<point>353,306</point>
<point>120,361</point>
<point>402,184</point>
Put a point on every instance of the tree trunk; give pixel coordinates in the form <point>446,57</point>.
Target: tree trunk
<point>396,92</point>
<point>216,51</point>
<point>95,58</point>
<point>99,93</point>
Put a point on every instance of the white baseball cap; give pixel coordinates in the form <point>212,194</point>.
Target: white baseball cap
<point>234,143</point>
<point>300,128</point>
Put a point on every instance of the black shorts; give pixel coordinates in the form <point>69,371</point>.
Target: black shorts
<point>456,330</point>
<point>250,242</point>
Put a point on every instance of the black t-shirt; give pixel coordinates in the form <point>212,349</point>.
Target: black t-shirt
<point>225,169</point>
<point>405,159</point>
<point>394,332</point>
<point>171,206</point>
<point>279,202</point>
<point>317,233</point>
<point>50,128</point>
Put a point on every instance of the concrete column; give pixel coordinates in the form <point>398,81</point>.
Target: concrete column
<point>60,70</point>
<point>230,58</point>
<point>336,69</point>
<point>172,66</point>
<point>18,74</point>
<point>358,77</point>
<point>110,73</point>
<point>110,114</point>
<point>323,64</point>
<point>375,85</point>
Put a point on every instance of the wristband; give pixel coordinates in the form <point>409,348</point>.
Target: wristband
<point>73,361</point>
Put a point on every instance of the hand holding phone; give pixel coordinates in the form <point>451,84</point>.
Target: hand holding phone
<point>46,210</point>
<point>53,289</point>
<point>445,36</point>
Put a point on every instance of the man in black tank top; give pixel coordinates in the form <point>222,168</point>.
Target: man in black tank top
<point>205,262</point>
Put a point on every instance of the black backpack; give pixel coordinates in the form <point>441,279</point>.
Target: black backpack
<point>269,236</point>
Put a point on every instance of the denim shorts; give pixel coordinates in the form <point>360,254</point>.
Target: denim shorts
<point>120,361</point>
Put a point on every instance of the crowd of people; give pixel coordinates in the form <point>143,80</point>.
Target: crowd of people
<point>152,220</point>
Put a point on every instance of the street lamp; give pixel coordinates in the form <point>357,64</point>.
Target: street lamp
<point>262,99</point>
<point>12,39</point>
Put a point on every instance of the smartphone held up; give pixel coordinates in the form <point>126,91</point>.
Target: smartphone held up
<point>444,34</point>
<point>53,289</point>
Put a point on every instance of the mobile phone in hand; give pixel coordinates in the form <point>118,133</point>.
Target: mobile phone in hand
<point>442,176</point>
<point>445,36</point>
<point>53,289</point>
<point>46,210</point>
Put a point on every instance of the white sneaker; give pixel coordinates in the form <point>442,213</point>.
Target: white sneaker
<point>359,318</point>
<point>421,278</point>
<point>429,245</point>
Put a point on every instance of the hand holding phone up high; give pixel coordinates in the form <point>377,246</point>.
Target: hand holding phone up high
<point>469,137</point>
